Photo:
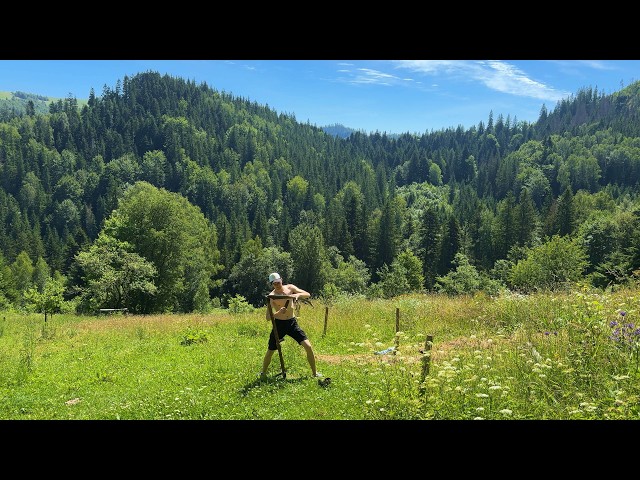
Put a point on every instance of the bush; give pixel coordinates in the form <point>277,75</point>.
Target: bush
<point>550,266</point>
<point>238,304</point>
<point>193,336</point>
<point>464,279</point>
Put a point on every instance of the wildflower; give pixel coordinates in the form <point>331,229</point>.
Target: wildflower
<point>506,411</point>
<point>482,395</point>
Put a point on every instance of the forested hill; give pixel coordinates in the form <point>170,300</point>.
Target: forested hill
<point>19,103</point>
<point>590,111</point>
<point>452,210</point>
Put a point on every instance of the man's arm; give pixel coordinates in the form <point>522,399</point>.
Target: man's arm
<point>298,293</point>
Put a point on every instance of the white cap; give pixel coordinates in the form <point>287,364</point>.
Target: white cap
<point>275,277</point>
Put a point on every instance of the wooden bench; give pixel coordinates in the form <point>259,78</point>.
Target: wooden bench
<point>108,311</point>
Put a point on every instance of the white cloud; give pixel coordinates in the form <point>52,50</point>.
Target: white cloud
<point>497,75</point>
<point>369,75</point>
<point>595,64</point>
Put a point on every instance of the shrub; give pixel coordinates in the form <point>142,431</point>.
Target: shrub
<point>239,304</point>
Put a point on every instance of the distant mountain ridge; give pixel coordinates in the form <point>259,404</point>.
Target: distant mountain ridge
<point>338,130</point>
<point>15,103</point>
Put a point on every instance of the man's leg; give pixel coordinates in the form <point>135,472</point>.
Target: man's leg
<point>266,361</point>
<point>311,358</point>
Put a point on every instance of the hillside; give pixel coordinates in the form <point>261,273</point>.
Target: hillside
<point>16,103</point>
<point>359,214</point>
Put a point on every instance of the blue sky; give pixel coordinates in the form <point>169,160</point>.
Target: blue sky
<point>392,96</point>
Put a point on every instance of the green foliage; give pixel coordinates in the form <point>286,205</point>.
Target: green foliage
<point>393,280</point>
<point>49,301</point>
<point>20,103</point>
<point>193,336</point>
<point>402,277</point>
<point>114,276</point>
<point>309,257</point>
<point>250,274</point>
<point>238,304</point>
<point>329,293</point>
<point>350,276</point>
<point>41,274</point>
<point>172,235</point>
<point>22,271</point>
<point>7,288</point>
<point>463,280</point>
<point>553,265</point>
<point>412,268</point>
<point>435,174</point>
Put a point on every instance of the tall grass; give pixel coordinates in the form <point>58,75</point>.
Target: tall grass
<point>546,356</point>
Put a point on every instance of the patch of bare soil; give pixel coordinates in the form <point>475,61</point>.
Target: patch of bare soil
<point>412,353</point>
<point>408,355</point>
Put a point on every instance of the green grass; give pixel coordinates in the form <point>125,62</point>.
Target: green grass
<point>538,357</point>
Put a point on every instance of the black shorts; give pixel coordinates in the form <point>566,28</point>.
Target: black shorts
<point>287,327</point>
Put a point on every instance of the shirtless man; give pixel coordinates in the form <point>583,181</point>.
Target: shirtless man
<point>286,322</point>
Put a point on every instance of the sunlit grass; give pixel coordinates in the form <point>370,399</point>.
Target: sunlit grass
<point>573,355</point>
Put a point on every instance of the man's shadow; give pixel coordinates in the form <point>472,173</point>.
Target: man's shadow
<point>276,381</point>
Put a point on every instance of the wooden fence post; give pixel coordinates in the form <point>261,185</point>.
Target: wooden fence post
<point>397,330</point>
<point>326,319</point>
<point>426,359</point>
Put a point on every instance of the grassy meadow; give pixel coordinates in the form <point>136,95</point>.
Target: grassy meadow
<point>573,355</point>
